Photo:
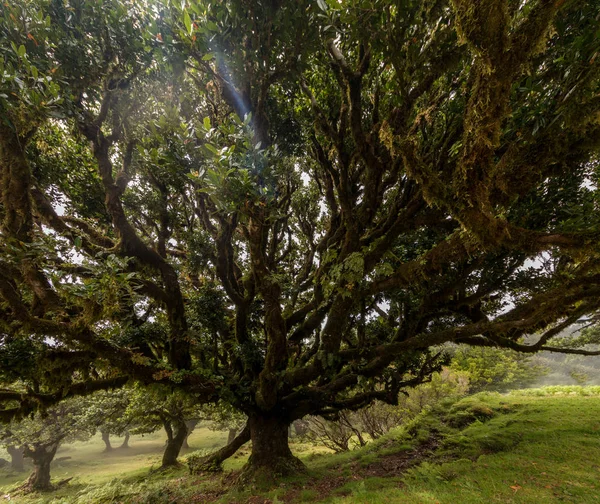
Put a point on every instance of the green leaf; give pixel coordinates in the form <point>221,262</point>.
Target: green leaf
<point>208,56</point>
<point>206,123</point>
<point>21,51</point>
<point>211,148</point>
<point>322,5</point>
<point>187,22</point>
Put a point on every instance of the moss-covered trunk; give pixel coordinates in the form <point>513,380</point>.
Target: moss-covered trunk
<point>176,434</point>
<point>42,456</point>
<point>271,455</point>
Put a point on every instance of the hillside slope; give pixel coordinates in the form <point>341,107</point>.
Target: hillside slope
<point>537,446</point>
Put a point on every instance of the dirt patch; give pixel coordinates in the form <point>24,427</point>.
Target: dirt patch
<point>205,498</point>
<point>388,466</point>
<point>327,485</point>
<point>258,500</point>
<point>221,482</point>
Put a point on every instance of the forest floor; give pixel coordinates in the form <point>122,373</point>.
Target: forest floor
<point>531,446</point>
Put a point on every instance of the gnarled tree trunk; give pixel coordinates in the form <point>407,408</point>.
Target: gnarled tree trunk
<point>271,455</point>
<point>125,443</point>
<point>41,455</point>
<point>106,439</point>
<point>176,433</point>
<point>16,457</point>
<point>214,461</point>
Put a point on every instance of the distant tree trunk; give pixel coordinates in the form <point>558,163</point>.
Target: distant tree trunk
<point>41,455</point>
<point>190,425</point>
<point>271,455</point>
<point>125,443</point>
<point>176,433</point>
<point>300,427</point>
<point>214,461</point>
<point>231,436</point>
<point>16,458</point>
<point>106,439</point>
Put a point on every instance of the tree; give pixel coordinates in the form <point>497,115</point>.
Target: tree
<point>108,411</point>
<point>17,456</point>
<point>288,205</point>
<point>497,369</point>
<point>155,408</point>
<point>41,435</point>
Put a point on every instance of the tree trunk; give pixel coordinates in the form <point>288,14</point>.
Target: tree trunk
<point>125,443</point>
<point>271,455</point>
<point>42,456</point>
<point>106,439</point>
<point>300,427</point>
<point>176,433</point>
<point>191,425</point>
<point>214,461</point>
<point>16,458</point>
<point>231,436</point>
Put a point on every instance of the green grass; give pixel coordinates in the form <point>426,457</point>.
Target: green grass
<point>533,446</point>
<point>90,466</point>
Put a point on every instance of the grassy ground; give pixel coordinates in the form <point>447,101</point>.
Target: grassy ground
<point>540,446</point>
<point>90,465</point>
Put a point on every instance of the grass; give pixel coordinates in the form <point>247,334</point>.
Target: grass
<point>539,447</point>
<point>90,466</point>
<point>533,446</point>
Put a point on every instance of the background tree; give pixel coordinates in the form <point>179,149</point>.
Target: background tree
<point>108,411</point>
<point>41,435</point>
<point>291,206</point>
<point>154,408</point>
<point>17,456</point>
<point>497,369</point>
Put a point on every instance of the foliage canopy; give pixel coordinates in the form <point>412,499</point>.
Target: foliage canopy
<point>287,205</point>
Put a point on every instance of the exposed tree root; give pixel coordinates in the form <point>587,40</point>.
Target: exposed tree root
<point>214,461</point>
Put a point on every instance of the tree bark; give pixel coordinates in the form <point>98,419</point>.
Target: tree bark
<point>271,455</point>
<point>106,439</point>
<point>125,443</point>
<point>16,458</point>
<point>176,433</point>
<point>214,461</point>
<point>231,436</point>
<point>42,456</point>
<point>190,425</point>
